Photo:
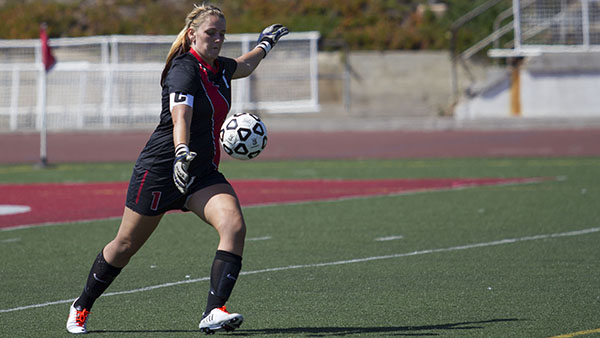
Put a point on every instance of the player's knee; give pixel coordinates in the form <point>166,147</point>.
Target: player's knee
<point>241,230</point>
<point>124,248</point>
<point>237,228</point>
<point>233,225</point>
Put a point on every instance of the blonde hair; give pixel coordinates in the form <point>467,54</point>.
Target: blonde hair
<point>182,43</point>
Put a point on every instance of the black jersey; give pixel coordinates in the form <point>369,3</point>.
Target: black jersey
<point>210,90</point>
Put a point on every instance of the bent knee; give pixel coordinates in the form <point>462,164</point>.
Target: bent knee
<point>232,226</point>
<point>123,247</point>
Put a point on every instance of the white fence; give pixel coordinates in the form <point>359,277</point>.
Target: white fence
<point>113,81</point>
<point>558,23</point>
<point>552,26</point>
<point>560,43</point>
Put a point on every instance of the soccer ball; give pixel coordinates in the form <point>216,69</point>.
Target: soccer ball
<point>243,136</point>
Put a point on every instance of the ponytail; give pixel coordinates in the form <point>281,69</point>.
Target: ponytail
<point>179,46</point>
<point>182,44</point>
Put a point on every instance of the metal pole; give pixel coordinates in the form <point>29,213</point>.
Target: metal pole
<point>14,98</point>
<point>246,87</point>
<point>107,69</point>
<point>43,125</point>
<point>454,70</point>
<point>517,23</point>
<point>347,98</point>
<point>454,31</point>
<point>314,71</point>
<point>585,23</point>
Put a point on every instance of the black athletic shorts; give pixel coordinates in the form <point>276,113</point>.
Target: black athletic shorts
<point>153,193</point>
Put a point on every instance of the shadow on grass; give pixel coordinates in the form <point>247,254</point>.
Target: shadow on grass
<point>383,330</point>
<point>340,331</point>
<point>141,331</point>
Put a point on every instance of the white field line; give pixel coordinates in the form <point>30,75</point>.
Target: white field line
<point>11,240</point>
<point>36,225</point>
<point>255,239</point>
<point>320,265</point>
<point>532,180</point>
<point>388,238</point>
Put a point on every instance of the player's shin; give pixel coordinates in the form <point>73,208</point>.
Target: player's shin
<point>101,276</point>
<point>224,273</point>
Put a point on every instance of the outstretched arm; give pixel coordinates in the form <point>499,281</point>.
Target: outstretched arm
<point>248,62</point>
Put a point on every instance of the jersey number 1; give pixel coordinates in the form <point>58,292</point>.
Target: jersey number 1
<point>155,200</point>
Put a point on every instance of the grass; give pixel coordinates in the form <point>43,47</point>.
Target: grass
<point>447,276</point>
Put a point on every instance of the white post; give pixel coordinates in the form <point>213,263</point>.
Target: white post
<point>41,105</point>
<point>314,71</point>
<point>42,97</point>
<point>585,23</point>
<point>81,100</point>
<point>563,23</point>
<point>517,23</point>
<point>14,98</point>
<point>245,86</point>
<point>107,95</point>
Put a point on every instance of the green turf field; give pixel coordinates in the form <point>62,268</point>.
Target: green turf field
<point>500,261</point>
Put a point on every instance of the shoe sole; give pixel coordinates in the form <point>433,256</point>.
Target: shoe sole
<point>228,326</point>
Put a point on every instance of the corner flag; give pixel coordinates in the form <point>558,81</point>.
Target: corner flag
<point>47,57</point>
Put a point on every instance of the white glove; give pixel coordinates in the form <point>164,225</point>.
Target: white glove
<point>183,157</point>
<point>269,37</point>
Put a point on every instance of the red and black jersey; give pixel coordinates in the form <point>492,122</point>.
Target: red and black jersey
<point>192,79</point>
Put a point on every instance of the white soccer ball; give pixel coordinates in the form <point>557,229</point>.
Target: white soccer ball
<point>243,136</point>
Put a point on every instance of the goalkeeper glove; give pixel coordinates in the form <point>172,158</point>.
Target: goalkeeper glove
<point>183,157</point>
<point>269,37</point>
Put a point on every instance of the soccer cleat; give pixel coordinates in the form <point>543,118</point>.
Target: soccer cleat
<point>220,319</point>
<point>77,321</point>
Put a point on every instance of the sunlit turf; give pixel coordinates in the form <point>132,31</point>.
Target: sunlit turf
<point>402,168</point>
<point>464,263</point>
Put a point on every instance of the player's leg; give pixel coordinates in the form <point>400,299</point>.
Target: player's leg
<point>133,232</point>
<point>218,205</point>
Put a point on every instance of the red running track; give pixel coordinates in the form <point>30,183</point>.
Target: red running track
<point>60,203</point>
<point>126,145</point>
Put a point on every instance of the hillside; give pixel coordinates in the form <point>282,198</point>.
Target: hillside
<point>357,24</point>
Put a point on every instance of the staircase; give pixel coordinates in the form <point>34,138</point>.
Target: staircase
<point>533,79</point>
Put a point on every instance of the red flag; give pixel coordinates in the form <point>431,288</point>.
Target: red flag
<point>47,57</point>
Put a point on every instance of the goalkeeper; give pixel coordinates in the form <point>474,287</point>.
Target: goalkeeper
<point>178,167</point>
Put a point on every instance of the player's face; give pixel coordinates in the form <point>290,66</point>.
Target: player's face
<point>208,39</point>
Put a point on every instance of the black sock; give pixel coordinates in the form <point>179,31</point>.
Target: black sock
<point>100,277</point>
<point>223,275</point>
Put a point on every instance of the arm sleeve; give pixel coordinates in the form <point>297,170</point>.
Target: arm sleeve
<point>230,66</point>
<point>182,78</point>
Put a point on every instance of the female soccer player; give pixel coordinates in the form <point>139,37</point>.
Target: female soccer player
<point>178,168</point>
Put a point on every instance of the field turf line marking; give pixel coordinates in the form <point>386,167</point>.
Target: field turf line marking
<point>10,240</point>
<point>39,225</point>
<point>580,333</point>
<point>388,238</point>
<point>320,265</point>
<point>254,239</point>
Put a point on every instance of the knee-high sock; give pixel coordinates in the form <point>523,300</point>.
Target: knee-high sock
<point>223,275</point>
<point>101,276</point>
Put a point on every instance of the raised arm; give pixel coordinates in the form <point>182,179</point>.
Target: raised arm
<point>248,62</point>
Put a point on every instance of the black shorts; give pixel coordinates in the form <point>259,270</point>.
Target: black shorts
<point>154,193</point>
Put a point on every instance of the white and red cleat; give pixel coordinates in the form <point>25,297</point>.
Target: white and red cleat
<point>220,319</point>
<point>77,321</point>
